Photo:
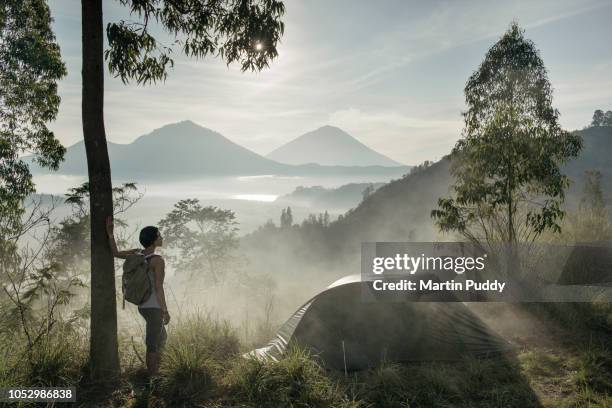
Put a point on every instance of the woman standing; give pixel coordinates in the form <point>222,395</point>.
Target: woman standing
<point>153,309</point>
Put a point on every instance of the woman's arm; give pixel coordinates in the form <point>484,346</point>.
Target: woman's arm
<point>159,269</point>
<point>111,241</point>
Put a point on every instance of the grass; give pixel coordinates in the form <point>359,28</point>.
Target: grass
<point>469,383</point>
<point>203,366</point>
<point>297,380</point>
<point>53,361</point>
<point>197,354</point>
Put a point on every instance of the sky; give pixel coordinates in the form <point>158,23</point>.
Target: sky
<point>390,73</point>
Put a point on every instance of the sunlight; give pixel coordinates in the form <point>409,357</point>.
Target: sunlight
<point>268,198</point>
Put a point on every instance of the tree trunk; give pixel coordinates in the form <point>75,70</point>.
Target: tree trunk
<point>103,352</point>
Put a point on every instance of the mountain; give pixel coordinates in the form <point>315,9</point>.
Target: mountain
<point>341,198</point>
<point>173,150</point>
<point>187,150</point>
<point>400,210</point>
<point>329,146</point>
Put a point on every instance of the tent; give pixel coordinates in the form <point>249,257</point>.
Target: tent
<point>344,330</point>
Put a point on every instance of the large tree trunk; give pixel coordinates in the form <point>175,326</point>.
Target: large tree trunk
<point>103,353</point>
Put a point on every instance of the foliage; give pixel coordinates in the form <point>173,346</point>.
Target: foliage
<point>602,119</point>
<point>296,380</point>
<point>30,66</point>
<point>70,241</point>
<point>509,186</point>
<point>419,168</point>
<point>368,191</point>
<point>197,351</point>
<point>246,32</point>
<point>591,221</point>
<point>321,220</point>
<point>286,218</point>
<point>204,237</point>
<point>34,292</point>
<point>56,360</point>
<point>592,196</point>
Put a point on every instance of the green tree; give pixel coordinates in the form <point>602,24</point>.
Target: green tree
<point>591,220</point>
<point>367,191</point>
<point>244,31</point>
<point>592,194</point>
<point>34,291</point>
<point>30,66</point>
<point>286,219</point>
<point>607,119</point>
<point>71,238</point>
<point>598,118</point>
<point>204,238</point>
<point>509,186</point>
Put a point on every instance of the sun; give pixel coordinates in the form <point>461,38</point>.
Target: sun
<point>259,46</point>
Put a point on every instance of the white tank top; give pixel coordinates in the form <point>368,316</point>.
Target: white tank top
<point>152,302</point>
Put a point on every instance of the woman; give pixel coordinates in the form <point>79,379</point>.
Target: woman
<point>154,309</point>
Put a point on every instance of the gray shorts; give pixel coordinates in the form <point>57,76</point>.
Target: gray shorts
<point>155,332</point>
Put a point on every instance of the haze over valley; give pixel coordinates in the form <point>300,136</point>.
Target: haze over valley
<point>185,160</point>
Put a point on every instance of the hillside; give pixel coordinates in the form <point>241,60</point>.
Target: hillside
<point>596,155</point>
<point>329,146</point>
<point>186,150</point>
<point>400,210</point>
<point>343,197</point>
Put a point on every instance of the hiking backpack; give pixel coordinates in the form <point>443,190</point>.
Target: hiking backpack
<point>135,280</point>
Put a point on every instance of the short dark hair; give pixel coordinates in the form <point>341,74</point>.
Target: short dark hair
<point>148,235</point>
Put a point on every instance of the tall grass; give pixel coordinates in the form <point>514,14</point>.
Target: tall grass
<point>56,359</point>
<point>202,365</point>
<point>198,351</point>
<point>295,381</point>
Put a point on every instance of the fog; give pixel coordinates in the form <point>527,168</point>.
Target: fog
<point>275,269</point>
<point>252,198</point>
<point>271,273</point>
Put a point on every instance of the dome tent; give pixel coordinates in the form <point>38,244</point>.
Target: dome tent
<point>341,329</point>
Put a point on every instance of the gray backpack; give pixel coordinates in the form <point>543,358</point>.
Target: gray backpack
<point>135,280</point>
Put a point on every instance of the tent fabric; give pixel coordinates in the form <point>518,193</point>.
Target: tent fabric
<point>343,330</point>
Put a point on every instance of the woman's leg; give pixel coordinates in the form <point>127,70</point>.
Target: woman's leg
<point>154,327</point>
<point>152,363</point>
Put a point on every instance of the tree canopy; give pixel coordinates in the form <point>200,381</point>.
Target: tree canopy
<point>509,185</point>
<point>246,32</point>
<point>602,119</point>
<point>30,66</point>
<point>203,238</point>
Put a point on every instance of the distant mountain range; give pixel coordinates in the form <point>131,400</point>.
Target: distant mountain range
<point>329,146</point>
<point>187,150</point>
